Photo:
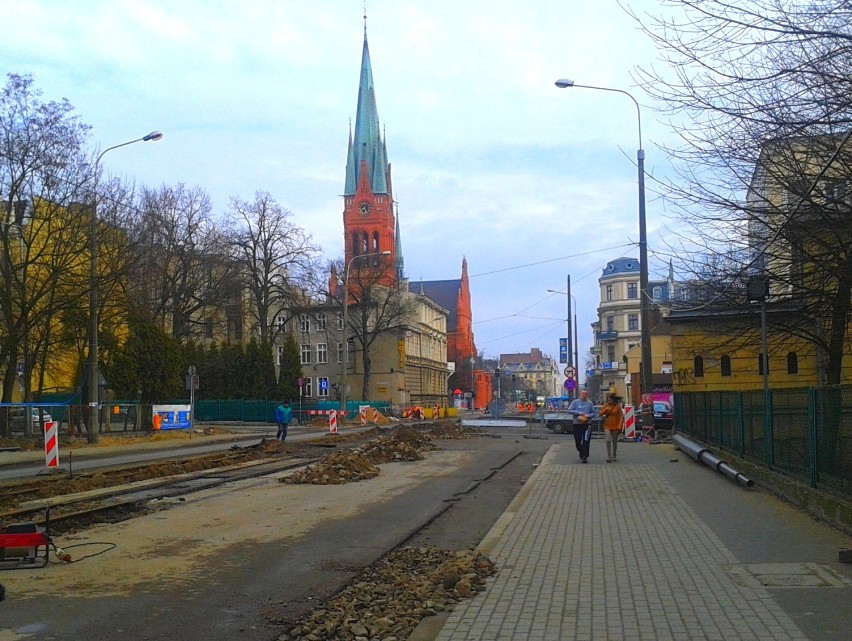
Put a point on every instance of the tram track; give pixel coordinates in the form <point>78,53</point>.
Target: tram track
<point>69,512</point>
<point>111,494</point>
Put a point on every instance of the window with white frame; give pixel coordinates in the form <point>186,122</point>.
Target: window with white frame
<point>304,323</point>
<point>280,354</point>
<point>321,322</point>
<point>322,387</point>
<point>281,321</point>
<point>306,354</point>
<point>322,353</point>
<point>309,386</point>
<point>340,352</point>
<point>339,320</point>
<point>632,290</point>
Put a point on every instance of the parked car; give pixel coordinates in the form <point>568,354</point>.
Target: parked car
<point>561,422</point>
<point>663,415</point>
<point>18,417</point>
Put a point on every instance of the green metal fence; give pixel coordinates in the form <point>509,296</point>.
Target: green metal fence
<point>804,432</point>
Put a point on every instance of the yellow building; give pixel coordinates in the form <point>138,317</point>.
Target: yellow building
<point>798,207</point>
<point>709,354</point>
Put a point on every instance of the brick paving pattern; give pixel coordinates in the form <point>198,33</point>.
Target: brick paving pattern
<point>607,552</point>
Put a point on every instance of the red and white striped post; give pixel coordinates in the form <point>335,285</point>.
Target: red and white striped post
<point>51,443</point>
<point>332,422</point>
<point>629,423</point>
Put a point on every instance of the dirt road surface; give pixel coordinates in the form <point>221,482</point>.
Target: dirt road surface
<point>241,560</point>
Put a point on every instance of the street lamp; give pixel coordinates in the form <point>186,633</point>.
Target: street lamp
<point>93,378</point>
<point>346,326</point>
<point>645,380</point>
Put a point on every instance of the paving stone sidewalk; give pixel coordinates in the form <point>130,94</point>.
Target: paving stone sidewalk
<point>615,552</point>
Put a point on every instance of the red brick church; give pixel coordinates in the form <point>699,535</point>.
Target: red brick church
<point>371,225</point>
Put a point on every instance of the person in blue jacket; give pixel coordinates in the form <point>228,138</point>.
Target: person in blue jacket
<point>283,416</point>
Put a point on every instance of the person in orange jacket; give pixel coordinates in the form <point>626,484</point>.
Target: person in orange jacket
<point>613,425</point>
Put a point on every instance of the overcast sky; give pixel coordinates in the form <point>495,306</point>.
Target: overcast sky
<point>490,160</point>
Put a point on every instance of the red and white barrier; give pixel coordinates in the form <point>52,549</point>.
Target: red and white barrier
<point>629,422</point>
<point>332,421</point>
<point>323,412</point>
<point>51,444</point>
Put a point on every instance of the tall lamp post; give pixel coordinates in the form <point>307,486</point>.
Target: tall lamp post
<point>93,378</point>
<point>346,320</point>
<point>570,297</point>
<point>645,379</point>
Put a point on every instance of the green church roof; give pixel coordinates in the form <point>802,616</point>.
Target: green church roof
<point>367,143</point>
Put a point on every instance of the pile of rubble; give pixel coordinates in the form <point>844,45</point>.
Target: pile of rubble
<point>448,431</point>
<point>389,599</point>
<point>334,469</point>
<point>360,463</point>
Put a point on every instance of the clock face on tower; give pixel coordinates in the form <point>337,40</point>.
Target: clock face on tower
<point>364,208</point>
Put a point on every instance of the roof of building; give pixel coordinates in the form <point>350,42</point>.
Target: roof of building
<point>623,265</point>
<point>531,358</point>
<point>443,292</point>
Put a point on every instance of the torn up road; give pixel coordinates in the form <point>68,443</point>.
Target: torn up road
<point>247,559</point>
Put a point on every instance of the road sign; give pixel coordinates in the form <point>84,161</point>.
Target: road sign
<point>569,384</point>
<point>569,372</point>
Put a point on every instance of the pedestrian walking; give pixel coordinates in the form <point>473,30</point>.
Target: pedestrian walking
<point>283,416</point>
<point>582,410</point>
<point>613,425</point>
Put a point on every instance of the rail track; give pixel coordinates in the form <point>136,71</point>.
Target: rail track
<point>109,495</point>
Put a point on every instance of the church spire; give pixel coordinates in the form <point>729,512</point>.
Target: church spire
<point>400,263</point>
<point>369,219</point>
<point>367,144</point>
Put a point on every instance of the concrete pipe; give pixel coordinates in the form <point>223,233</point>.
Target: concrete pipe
<point>703,455</point>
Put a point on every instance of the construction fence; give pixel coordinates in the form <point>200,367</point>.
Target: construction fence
<point>803,432</point>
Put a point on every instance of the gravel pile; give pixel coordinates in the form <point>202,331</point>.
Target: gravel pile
<point>388,599</point>
<point>448,431</point>
<point>334,469</point>
<point>360,463</point>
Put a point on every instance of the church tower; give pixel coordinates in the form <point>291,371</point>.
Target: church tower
<point>369,220</point>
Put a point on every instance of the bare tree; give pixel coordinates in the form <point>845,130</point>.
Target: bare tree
<point>276,260</point>
<point>761,97</point>
<point>185,276</point>
<point>376,309</point>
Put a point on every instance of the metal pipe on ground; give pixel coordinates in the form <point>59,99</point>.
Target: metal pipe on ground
<point>703,455</point>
